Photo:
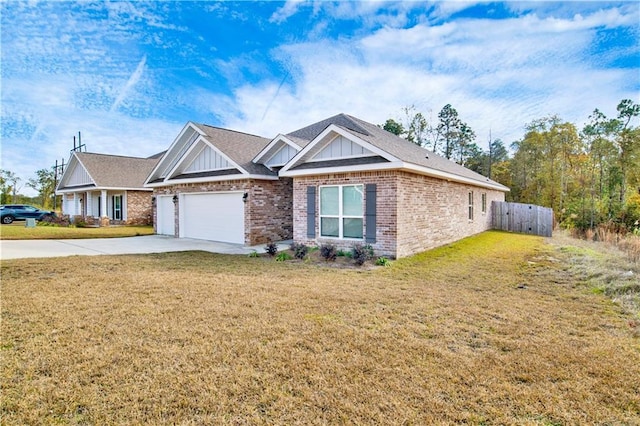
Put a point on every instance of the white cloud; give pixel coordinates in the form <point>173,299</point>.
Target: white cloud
<point>133,80</point>
<point>289,9</point>
<point>499,75</point>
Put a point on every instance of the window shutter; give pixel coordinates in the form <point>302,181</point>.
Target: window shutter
<point>370,212</point>
<point>311,211</point>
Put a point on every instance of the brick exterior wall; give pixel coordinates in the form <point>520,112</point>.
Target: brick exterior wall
<point>268,211</point>
<point>414,213</point>
<point>139,208</point>
<point>434,212</point>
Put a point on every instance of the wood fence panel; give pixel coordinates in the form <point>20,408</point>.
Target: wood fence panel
<point>522,218</point>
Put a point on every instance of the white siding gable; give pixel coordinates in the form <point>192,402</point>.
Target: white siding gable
<point>208,159</point>
<point>341,147</point>
<point>282,156</point>
<point>79,176</point>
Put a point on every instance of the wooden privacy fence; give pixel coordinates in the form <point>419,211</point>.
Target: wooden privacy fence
<point>523,218</point>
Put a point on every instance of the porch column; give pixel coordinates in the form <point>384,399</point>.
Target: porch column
<point>75,204</point>
<point>89,204</point>
<point>103,203</point>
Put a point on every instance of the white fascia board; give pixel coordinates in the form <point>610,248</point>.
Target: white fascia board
<point>344,169</point>
<point>222,178</point>
<point>335,129</point>
<point>169,151</point>
<point>100,188</point>
<point>274,142</point>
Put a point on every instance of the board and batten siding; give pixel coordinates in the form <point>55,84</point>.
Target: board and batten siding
<point>522,218</point>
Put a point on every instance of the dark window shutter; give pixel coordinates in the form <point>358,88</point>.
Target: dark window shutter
<point>311,211</point>
<point>370,212</point>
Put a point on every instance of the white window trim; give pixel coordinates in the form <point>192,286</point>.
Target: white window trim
<point>340,215</point>
<point>484,203</point>
<point>471,212</point>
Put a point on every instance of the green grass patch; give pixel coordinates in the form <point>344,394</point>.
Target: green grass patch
<point>17,231</point>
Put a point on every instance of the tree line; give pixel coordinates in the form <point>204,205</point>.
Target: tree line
<point>588,176</point>
<point>44,184</point>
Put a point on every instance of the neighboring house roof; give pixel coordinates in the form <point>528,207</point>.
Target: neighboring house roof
<point>233,151</point>
<point>384,147</point>
<point>102,171</point>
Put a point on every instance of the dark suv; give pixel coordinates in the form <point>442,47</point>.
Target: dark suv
<point>11,212</point>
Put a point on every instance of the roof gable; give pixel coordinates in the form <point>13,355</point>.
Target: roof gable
<point>201,153</point>
<point>392,152</point>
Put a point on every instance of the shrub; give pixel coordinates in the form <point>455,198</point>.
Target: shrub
<point>282,256</point>
<point>328,252</point>
<point>254,254</point>
<point>54,221</point>
<point>271,248</point>
<point>383,261</point>
<point>299,250</point>
<point>361,254</point>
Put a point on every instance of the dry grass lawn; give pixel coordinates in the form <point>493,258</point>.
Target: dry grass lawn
<point>495,329</point>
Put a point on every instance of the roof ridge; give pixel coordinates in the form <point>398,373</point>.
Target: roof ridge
<point>115,155</point>
<point>228,130</point>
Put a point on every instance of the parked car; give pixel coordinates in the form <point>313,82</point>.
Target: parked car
<point>11,212</point>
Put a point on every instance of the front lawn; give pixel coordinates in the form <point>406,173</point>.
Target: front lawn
<point>18,231</point>
<point>495,329</point>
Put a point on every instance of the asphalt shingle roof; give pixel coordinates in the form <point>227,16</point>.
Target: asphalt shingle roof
<point>240,147</point>
<point>114,171</point>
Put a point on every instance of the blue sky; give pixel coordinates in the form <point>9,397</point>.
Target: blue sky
<point>129,75</point>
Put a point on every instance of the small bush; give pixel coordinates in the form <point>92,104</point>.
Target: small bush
<point>328,252</point>
<point>383,261</point>
<point>300,251</point>
<point>254,254</point>
<point>271,248</point>
<point>361,254</point>
<point>282,256</point>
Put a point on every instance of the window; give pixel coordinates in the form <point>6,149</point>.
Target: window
<point>117,207</point>
<point>341,211</point>
<point>470,205</point>
<point>484,202</point>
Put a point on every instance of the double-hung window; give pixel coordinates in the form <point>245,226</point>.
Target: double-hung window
<point>470,205</point>
<point>484,202</point>
<point>341,211</point>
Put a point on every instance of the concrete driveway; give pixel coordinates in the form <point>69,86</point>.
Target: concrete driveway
<point>20,249</point>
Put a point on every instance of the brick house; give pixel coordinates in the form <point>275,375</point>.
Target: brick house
<point>341,181</point>
<point>354,182</point>
<point>104,190</point>
<point>206,186</point>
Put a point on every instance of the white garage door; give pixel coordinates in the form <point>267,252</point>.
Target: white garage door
<point>216,217</point>
<point>165,219</point>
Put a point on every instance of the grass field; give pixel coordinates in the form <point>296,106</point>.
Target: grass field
<point>495,329</point>
<point>17,231</point>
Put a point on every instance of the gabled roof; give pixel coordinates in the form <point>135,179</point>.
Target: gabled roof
<point>237,148</point>
<point>393,152</point>
<point>107,171</point>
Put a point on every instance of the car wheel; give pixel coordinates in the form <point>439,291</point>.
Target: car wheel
<point>7,220</point>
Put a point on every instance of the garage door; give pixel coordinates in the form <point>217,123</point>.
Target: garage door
<point>165,219</point>
<point>216,217</point>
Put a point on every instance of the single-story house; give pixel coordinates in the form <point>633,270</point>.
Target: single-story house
<point>340,181</point>
<point>104,190</point>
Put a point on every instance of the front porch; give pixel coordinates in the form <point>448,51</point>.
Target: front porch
<point>97,208</point>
